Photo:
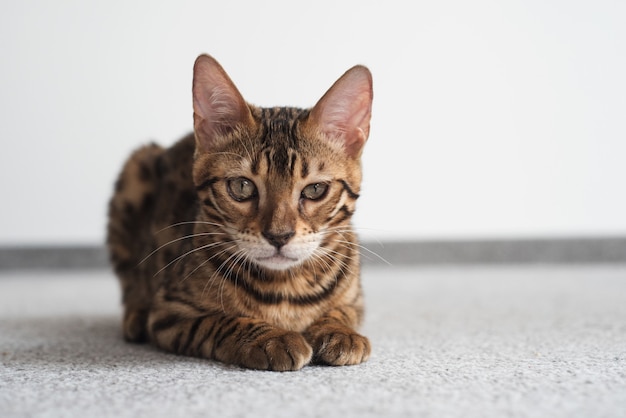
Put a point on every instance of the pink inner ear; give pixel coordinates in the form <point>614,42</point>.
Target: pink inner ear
<point>218,106</point>
<point>344,112</point>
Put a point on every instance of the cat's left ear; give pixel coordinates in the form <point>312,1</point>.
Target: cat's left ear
<point>343,114</point>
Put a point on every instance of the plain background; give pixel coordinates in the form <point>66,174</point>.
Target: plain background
<point>491,118</point>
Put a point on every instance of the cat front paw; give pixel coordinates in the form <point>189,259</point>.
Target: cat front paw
<point>288,351</point>
<point>340,347</point>
<point>134,325</point>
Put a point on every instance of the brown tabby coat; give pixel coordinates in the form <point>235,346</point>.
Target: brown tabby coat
<point>235,244</point>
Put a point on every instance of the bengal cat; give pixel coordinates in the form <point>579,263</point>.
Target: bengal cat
<point>236,244</point>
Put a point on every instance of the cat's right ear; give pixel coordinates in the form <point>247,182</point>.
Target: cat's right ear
<point>218,107</point>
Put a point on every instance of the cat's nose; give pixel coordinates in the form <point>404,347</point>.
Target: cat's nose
<point>278,240</point>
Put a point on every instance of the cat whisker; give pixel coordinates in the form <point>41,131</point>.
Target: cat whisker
<point>215,274</point>
<point>316,261</point>
<point>334,255</point>
<point>177,240</point>
<point>239,262</point>
<point>205,261</point>
<point>350,247</point>
<point>363,254</point>
<point>340,230</point>
<point>203,247</point>
<point>319,259</point>
<point>326,267</point>
<point>353,228</point>
<point>224,277</point>
<point>189,223</point>
<point>351,244</point>
<point>245,265</point>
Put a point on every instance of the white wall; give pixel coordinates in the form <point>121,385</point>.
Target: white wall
<point>491,118</point>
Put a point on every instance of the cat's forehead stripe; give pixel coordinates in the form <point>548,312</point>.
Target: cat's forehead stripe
<point>279,142</point>
<point>304,172</point>
<point>282,160</point>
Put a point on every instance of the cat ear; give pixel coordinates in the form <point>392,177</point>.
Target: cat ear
<point>218,106</point>
<point>344,112</point>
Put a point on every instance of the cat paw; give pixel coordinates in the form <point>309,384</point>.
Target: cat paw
<point>288,351</point>
<point>341,348</point>
<point>134,325</point>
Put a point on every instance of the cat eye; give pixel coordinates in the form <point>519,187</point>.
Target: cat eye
<point>241,189</point>
<point>314,191</point>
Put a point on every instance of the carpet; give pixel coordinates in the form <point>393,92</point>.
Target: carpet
<point>448,341</point>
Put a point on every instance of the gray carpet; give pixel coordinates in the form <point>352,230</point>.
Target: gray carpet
<point>497,341</point>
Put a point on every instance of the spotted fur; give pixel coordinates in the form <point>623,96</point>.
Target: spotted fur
<point>235,244</point>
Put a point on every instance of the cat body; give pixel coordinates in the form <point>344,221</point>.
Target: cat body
<point>235,244</point>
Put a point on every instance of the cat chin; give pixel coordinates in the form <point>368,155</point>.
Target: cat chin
<point>278,262</point>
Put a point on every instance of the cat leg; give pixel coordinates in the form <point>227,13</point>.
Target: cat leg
<point>134,325</point>
<point>245,342</point>
<point>334,340</point>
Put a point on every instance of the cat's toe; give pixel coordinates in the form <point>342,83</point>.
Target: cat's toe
<point>342,349</point>
<point>286,352</point>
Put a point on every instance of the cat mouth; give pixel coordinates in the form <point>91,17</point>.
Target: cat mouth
<point>278,261</point>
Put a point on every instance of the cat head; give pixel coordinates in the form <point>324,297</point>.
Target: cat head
<point>281,182</point>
